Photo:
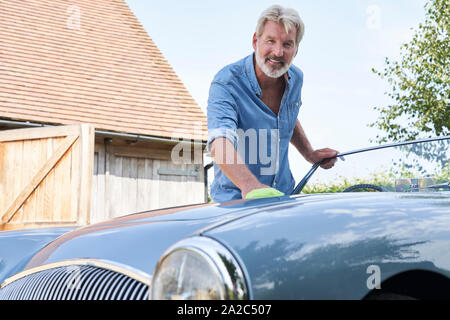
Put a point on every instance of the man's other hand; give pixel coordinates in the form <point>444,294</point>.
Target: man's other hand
<point>321,154</point>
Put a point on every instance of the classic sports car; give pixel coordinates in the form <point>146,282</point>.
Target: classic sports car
<point>387,236</point>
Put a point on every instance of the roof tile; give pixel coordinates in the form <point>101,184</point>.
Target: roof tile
<point>102,68</point>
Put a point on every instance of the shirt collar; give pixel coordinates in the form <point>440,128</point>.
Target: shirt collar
<point>250,70</point>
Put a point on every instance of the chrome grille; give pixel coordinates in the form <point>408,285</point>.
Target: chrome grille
<point>76,282</point>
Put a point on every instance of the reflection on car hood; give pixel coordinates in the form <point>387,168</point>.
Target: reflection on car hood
<point>323,249</point>
<point>24,243</point>
<point>139,240</point>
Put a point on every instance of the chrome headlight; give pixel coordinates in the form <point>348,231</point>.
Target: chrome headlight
<point>198,268</point>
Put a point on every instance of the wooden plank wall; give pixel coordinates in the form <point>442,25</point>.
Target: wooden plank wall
<point>86,184</point>
<point>128,180</point>
<point>38,186</point>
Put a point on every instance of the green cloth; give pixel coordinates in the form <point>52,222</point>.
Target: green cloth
<point>263,193</point>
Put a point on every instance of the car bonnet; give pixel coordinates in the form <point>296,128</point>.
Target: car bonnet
<point>324,243</point>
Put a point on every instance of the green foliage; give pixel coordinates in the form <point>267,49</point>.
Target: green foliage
<point>420,81</point>
<point>445,174</point>
<point>419,154</point>
<point>383,179</point>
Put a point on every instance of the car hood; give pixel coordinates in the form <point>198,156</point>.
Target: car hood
<point>138,240</point>
<point>291,229</point>
<point>326,248</point>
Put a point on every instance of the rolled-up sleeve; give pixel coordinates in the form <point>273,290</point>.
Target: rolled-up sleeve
<point>222,114</point>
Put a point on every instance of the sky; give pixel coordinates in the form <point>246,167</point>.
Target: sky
<point>343,41</point>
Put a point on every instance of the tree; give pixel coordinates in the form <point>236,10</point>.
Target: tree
<point>419,81</point>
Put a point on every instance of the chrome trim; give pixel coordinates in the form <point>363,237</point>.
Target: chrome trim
<point>92,282</point>
<point>141,292</point>
<point>45,282</point>
<point>115,292</point>
<point>121,295</point>
<point>117,277</point>
<point>105,285</point>
<point>36,284</point>
<point>394,144</point>
<point>48,292</point>
<point>99,285</point>
<point>129,291</point>
<point>214,253</point>
<point>104,264</point>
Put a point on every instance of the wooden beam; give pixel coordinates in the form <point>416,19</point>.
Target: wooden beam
<point>37,179</point>
<point>39,133</point>
<point>87,138</point>
<point>140,153</point>
<point>169,172</point>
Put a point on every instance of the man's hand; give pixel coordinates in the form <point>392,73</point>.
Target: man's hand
<point>264,193</point>
<point>320,154</point>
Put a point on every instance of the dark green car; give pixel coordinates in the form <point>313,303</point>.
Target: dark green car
<point>376,226</point>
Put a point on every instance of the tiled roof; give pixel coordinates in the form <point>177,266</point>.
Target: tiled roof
<point>71,61</point>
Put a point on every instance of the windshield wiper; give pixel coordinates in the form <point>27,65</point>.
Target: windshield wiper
<point>305,179</point>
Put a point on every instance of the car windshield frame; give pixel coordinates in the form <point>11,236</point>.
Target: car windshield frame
<point>313,169</point>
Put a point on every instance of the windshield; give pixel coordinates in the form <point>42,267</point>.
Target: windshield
<point>416,166</point>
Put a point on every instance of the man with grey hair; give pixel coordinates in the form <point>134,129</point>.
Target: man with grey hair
<point>252,114</point>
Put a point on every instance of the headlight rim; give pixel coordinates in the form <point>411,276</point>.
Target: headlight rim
<point>235,288</point>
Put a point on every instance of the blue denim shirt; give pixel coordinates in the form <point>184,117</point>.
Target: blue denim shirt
<point>236,112</point>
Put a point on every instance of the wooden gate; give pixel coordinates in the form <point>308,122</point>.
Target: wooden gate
<point>46,176</point>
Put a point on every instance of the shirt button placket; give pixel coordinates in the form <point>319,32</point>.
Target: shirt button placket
<point>277,149</point>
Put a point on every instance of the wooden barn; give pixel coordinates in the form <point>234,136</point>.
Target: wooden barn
<point>92,117</point>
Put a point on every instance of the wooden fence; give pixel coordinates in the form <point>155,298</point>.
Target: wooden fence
<point>46,176</point>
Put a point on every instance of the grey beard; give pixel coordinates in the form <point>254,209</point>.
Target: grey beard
<point>267,71</point>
